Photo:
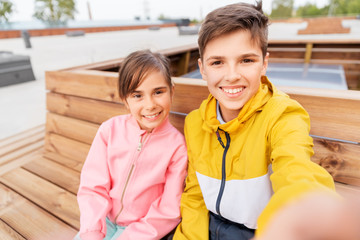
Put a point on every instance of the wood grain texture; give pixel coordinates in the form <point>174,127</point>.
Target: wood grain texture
<point>56,173</point>
<point>28,221</point>
<point>83,108</point>
<point>54,199</point>
<point>66,161</point>
<point>66,147</point>
<point>7,233</point>
<point>79,130</point>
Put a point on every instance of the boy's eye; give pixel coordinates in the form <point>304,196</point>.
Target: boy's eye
<point>216,63</point>
<point>247,60</point>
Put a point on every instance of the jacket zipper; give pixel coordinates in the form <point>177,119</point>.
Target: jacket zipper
<point>223,172</point>
<point>138,149</point>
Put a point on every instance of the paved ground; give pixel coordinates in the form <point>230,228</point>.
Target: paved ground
<point>22,106</point>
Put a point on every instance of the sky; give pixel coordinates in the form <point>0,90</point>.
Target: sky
<point>122,10</point>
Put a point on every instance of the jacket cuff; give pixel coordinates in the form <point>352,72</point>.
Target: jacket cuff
<point>92,236</point>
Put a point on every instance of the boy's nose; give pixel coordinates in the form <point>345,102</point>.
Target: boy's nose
<point>233,74</point>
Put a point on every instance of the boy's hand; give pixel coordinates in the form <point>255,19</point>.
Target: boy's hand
<point>317,216</point>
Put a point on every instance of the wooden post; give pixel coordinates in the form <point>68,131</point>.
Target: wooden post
<point>308,52</point>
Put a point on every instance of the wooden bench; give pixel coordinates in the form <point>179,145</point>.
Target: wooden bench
<point>38,186</point>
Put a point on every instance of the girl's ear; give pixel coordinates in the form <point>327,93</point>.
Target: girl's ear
<point>126,104</point>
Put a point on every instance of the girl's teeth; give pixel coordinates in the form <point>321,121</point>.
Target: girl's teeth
<point>152,116</point>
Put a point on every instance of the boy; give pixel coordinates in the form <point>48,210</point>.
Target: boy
<point>248,144</point>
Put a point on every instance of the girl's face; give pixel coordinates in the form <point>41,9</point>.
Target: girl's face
<point>150,103</point>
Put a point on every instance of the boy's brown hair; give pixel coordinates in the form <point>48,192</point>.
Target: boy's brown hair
<point>238,16</point>
<point>135,68</point>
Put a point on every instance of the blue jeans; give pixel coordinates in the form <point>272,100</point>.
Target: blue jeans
<point>113,231</point>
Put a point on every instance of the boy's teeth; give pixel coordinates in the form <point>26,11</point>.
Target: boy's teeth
<point>151,116</point>
<point>232,90</point>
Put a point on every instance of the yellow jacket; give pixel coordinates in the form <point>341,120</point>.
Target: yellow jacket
<point>266,153</point>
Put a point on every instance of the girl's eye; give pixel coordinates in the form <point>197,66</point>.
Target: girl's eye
<point>136,95</point>
<point>158,92</point>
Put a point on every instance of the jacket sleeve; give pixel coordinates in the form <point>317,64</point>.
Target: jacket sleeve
<point>195,215</point>
<point>294,174</point>
<point>164,212</point>
<point>93,198</point>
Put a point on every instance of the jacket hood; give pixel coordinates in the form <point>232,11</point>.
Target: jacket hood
<point>255,104</point>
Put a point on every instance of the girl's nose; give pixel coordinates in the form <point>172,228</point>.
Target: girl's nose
<point>150,103</point>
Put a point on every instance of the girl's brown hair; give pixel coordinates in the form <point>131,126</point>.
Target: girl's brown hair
<point>136,66</point>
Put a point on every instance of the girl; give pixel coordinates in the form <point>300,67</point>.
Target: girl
<point>133,177</point>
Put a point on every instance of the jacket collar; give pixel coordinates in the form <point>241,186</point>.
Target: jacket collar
<point>162,128</point>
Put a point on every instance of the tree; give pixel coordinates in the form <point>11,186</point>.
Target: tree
<point>6,9</point>
<point>282,8</point>
<point>311,10</point>
<point>344,7</point>
<point>55,12</point>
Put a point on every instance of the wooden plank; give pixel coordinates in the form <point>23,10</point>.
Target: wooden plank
<point>67,147</point>
<point>54,199</point>
<point>56,173</point>
<point>29,220</point>
<point>21,143</point>
<point>7,233</point>
<point>82,108</point>
<point>21,152</point>
<point>66,161</point>
<point>348,191</point>
<point>18,162</point>
<point>72,128</point>
<point>341,160</point>
<point>99,84</point>
<point>22,135</point>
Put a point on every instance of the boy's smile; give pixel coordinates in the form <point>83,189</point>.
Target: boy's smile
<point>232,65</point>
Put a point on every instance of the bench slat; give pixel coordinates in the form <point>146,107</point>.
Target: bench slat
<point>66,161</point>
<point>67,147</point>
<point>56,173</point>
<point>54,199</point>
<point>7,233</point>
<point>72,128</point>
<point>29,220</point>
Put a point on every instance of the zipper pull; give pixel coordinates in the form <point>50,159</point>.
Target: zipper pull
<point>139,146</point>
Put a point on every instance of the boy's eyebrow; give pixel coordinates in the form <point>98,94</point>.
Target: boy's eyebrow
<point>245,55</point>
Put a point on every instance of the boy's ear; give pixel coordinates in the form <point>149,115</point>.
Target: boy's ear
<point>201,67</point>
<point>265,65</point>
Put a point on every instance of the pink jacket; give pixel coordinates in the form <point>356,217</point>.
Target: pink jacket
<point>134,178</point>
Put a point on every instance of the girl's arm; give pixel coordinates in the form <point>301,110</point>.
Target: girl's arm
<point>93,198</point>
<point>164,212</point>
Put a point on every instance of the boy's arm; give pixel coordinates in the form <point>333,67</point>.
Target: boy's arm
<point>294,174</point>
<point>164,212</point>
<point>93,198</point>
<point>194,214</point>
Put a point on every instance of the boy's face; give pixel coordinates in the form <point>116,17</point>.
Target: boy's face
<point>150,103</point>
<point>233,65</point>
